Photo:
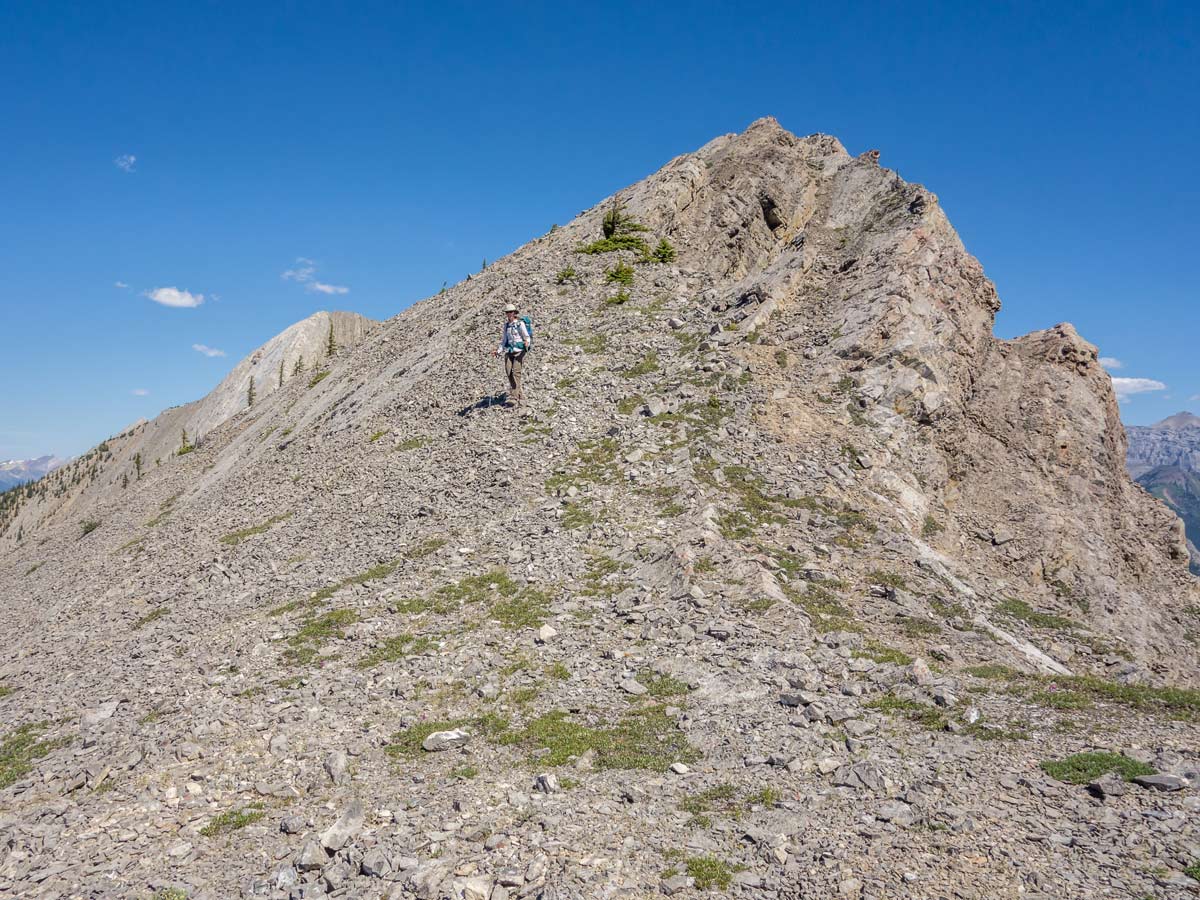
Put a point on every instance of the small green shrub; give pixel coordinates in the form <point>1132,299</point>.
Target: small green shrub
<point>566,274</point>
<point>376,436</point>
<point>931,527</point>
<point>664,252</point>
<point>614,244</point>
<point>710,872</point>
<point>621,273</point>
<point>620,298</point>
<point>318,378</point>
<point>232,820</point>
<point>1080,768</point>
<point>641,739</point>
<point>88,527</point>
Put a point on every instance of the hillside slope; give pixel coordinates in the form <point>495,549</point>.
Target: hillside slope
<point>785,582</point>
<point>1179,488</point>
<point>1175,441</point>
<point>102,475</point>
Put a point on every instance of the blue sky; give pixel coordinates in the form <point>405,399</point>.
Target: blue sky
<point>207,148</point>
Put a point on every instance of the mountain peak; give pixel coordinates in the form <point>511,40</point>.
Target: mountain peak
<point>1183,419</point>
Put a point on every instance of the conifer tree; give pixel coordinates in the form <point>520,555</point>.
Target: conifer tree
<point>137,462</point>
<point>330,343</point>
<point>299,368</point>
<point>281,373</point>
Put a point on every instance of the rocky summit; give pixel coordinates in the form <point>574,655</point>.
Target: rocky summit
<point>789,580</point>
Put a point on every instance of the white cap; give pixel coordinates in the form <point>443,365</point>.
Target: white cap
<point>510,308</point>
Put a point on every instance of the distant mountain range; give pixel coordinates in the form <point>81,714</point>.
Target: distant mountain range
<point>1164,458</point>
<point>19,471</point>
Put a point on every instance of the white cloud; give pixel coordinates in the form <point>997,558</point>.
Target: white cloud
<point>125,162</point>
<point>140,392</point>
<point>1195,398</point>
<point>120,284</point>
<point>1127,387</point>
<point>1111,363</point>
<point>305,273</point>
<point>207,351</point>
<point>171,296</point>
<point>328,288</point>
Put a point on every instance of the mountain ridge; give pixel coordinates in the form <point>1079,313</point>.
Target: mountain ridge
<point>788,569</point>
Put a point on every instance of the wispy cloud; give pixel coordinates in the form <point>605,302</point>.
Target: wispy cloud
<point>140,392</point>
<point>1111,363</point>
<point>320,288</point>
<point>1127,387</point>
<point>120,284</point>
<point>305,273</point>
<point>207,351</point>
<point>171,296</point>
<point>126,162</point>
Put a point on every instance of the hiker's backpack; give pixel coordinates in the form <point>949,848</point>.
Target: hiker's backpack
<point>528,327</point>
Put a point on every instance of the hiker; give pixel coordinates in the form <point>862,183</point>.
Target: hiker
<point>516,337</point>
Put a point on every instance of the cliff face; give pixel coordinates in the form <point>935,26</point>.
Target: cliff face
<point>773,461</point>
<point>1175,441</point>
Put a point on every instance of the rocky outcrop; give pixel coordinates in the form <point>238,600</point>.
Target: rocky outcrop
<point>787,580</point>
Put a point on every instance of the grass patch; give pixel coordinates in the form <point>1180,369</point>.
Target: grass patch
<point>660,686</point>
<point>593,343</point>
<point>376,436</point>
<point>407,743</point>
<point>233,820</point>
<point>823,608</point>
<point>20,748</point>
<point>1079,691</point>
<point>565,274</point>
<point>925,716</point>
<point>88,526</point>
<point>412,443</point>
<point>152,616</point>
<point>236,537</point>
<point>930,527</point>
<point>641,739</point>
<point>1023,612</point>
<point>578,515</point>
<point>628,405</point>
<point>318,378</point>
<point>889,579</point>
<point>529,609</point>
<point>644,366</point>
<point>464,773</point>
<point>33,569</point>
<point>881,653</point>
<point>304,645</point>
<point>558,671</point>
<point>5,690</point>
<point>424,548</point>
<point>477,588</point>
<point>917,627</point>
<point>1081,768</point>
<point>593,463</point>
<point>396,648</point>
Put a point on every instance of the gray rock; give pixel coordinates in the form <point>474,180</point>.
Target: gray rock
<point>346,828</point>
<point>1160,782</point>
<point>446,740</point>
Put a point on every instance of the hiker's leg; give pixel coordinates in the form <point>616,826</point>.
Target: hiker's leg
<point>513,375</point>
<point>515,378</point>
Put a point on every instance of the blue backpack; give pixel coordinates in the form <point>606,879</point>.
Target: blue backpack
<point>528,327</point>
